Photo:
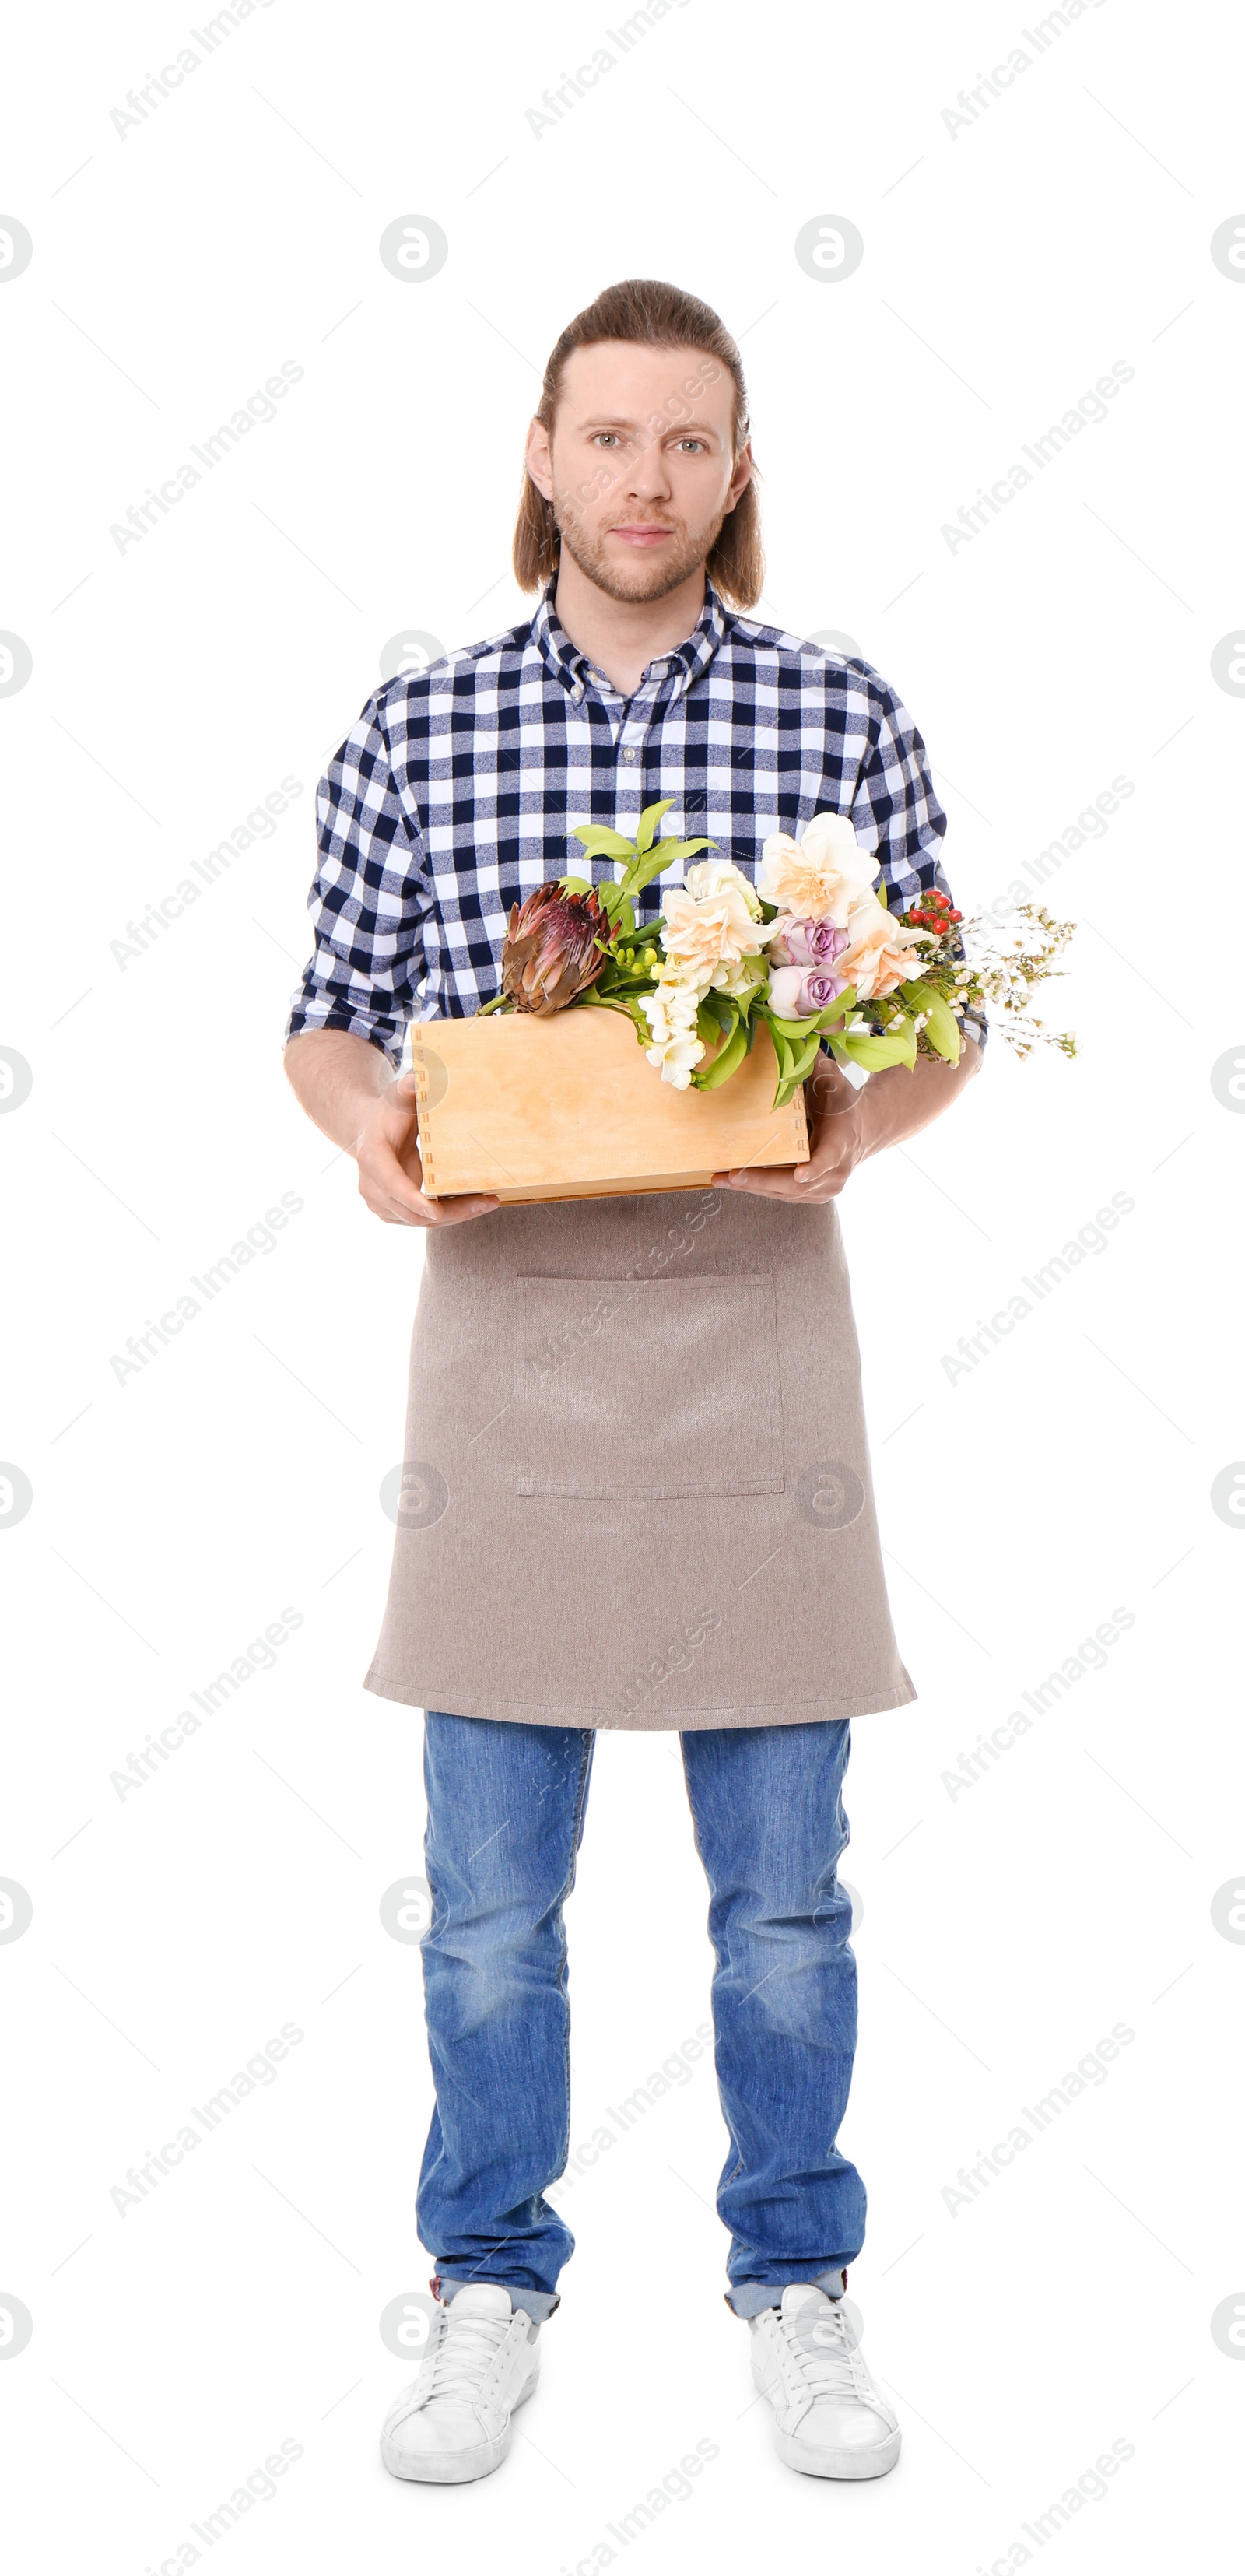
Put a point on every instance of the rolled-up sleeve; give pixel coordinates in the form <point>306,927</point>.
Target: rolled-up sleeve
<point>896,812</point>
<point>369,900</point>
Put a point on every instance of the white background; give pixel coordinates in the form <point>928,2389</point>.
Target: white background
<point>1006,1929</point>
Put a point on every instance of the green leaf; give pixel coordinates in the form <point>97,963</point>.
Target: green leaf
<point>575,885</point>
<point>647,864</point>
<point>642,871</point>
<point>875,1053</point>
<point>723,1008</point>
<point>716,1018</point>
<point>792,1028</point>
<point>724,1064</point>
<point>805,1060</point>
<point>786,1091</point>
<point>942,1029</point>
<point>822,1021</point>
<point>649,820</point>
<point>683,849</point>
<point>599,842</point>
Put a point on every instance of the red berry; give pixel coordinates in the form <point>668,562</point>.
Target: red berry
<point>955,916</point>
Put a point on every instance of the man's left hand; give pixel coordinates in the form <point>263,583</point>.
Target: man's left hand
<point>846,1125</point>
<point>836,1135</point>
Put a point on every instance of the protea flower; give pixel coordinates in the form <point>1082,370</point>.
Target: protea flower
<point>550,954</point>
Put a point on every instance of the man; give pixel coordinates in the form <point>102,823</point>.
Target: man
<point>524,1608</point>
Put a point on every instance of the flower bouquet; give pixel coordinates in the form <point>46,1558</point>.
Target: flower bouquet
<point>811,953</point>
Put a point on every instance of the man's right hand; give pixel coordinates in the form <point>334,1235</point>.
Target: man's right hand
<point>345,1085</point>
<point>390,1172</point>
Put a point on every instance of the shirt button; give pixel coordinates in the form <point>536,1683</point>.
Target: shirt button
<point>631,755</point>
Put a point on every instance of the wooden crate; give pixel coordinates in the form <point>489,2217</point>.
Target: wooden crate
<point>569,1107</point>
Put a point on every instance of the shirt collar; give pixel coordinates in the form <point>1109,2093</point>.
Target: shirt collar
<point>684,665</point>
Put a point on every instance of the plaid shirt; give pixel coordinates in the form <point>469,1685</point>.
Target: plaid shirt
<point>453,797</point>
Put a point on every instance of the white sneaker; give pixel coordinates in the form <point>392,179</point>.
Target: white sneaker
<point>453,2422</point>
<point>829,2418</point>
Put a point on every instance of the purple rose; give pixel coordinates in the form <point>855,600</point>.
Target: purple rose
<point>796,995</point>
<point>808,943</point>
<point>821,988</point>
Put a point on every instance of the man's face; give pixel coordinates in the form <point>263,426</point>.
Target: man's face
<point>640,467</point>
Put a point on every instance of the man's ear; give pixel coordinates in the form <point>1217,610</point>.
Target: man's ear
<point>540,458</point>
<point>745,464</point>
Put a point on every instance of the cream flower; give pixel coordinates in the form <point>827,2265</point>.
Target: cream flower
<point>671,1015</point>
<point>820,878</point>
<point>675,1002</point>
<point>710,875</point>
<point>676,1056</point>
<point>706,931</point>
<point>876,958</point>
<point>740,978</point>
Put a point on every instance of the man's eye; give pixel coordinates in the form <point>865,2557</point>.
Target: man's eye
<point>606,438</point>
<point>697,443</point>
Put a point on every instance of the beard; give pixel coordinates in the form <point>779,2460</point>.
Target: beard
<point>646,578</point>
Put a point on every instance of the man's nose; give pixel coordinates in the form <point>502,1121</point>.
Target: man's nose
<point>647,475</point>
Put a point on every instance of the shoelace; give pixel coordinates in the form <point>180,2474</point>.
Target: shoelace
<point>465,2348</point>
<point>816,2340</point>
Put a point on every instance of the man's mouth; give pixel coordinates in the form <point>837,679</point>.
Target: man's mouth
<point>642,533</point>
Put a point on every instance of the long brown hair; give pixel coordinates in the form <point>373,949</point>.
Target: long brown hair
<point>644,310</point>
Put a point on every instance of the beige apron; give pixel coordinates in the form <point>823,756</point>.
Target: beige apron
<point>636,1486</point>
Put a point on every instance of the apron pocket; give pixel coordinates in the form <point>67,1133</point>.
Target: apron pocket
<point>644,1388</point>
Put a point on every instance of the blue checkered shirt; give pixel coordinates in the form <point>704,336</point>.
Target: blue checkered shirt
<point>453,797</point>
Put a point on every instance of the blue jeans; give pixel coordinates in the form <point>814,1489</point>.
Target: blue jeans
<point>505,1818</point>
